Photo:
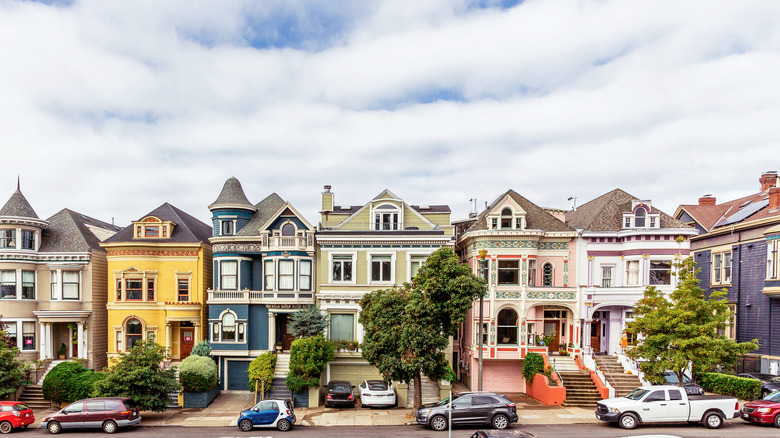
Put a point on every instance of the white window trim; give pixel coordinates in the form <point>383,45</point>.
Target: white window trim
<point>396,209</point>
<point>218,324</point>
<point>294,274</point>
<point>612,279</point>
<point>409,257</point>
<point>298,275</point>
<point>722,252</point>
<point>238,261</point>
<point>772,260</point>
<point>639,275</point>
<point>541,271</point>
<point>20,335</point>
<point>352,254</point>
<point>370,255</point>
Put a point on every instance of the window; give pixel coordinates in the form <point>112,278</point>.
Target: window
<point>288,230</point>
<point>28,285</point>
<point>660,272</point>
<point>484,333</point>
<point>183,290</point>
<point>53,275</point>
<point>721,267</point>
<point>342,268</point>
<point>10,333</point>
<point>381,268</point>
<point>547,274</point>
<point>228,327</point>
<point>70,285</point>
<point>674,394</point>
<point>227,228</point>
<point>494,223</point>
<point>118,289</point>
<point>519,223</point>
<point>531,333</point>
<point>286,275</point>
<point>627,222</point>
<point>772,271</point>
<point>149,289</point>
<point>507,327</point>
<point>532,272</point>
<point>506,219</point>
<point>386,220</point>
<point>28,239</point>
<point>151,231</point>
<point>7,238</point>
<point>415,264</point>
<point>304,275</point>
<point>632,273</point>
<point>508,272</point>
<point>96,406</point>
<point>74,408</point>
<point>606,276</point>
<point>133,332</point>
<point>8,284</point>
<point>28,335</point>
<point>342,327</point>
<point>229,278</point>
<point>134,289</point>
<point>269,275</point>
<point>639,217</point>
<point>730,330</point>
<point>653,221</point>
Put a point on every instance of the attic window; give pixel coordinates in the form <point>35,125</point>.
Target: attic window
<point>153,228</point>
<point>506,219</point>
<point>639,217</point>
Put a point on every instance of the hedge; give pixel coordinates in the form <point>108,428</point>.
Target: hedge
<point>739,387</point>
<point>262,369</point>
<point>532,365</point>
<point>308,358</point>
<point>198,374</point>
<point>70,381</point>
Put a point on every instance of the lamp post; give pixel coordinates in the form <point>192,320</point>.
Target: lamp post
<point>484,271</point>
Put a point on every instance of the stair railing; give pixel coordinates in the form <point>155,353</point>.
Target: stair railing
<point>607,373</point>
<point>555,370</point>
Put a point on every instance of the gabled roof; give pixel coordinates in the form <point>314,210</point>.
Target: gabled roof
<point>68,231</point>
<point>605,213</point>
<point>386,194</point>
<point>232,195</point>
<point>746,209</point>
<point>17,206</point>
<point>266,209</point>
<point>536,218</point>
<point>187,230</point>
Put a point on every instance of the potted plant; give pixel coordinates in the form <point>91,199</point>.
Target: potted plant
<point>61,351</point>
<point>278,347</point>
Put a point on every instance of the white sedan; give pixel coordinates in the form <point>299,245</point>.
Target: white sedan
<point>376,393</point>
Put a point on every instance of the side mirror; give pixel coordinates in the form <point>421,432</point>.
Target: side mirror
<point>353,386</point>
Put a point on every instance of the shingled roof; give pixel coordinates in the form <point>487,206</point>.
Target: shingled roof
<point>68,231</point>
<point>232,195</point>
<point>536,218</point>
<point>605,213</point>
<point>187,230</point>
<point>711,217</point>
<point>265,210</point>
<point>17,206</point>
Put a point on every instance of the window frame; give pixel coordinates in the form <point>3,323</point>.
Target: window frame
<point>652,270</point>
<point>226,227</point>
<point>417,260</point>
<point>135,336</point>
<point>5,285</point>
<point>546,275</point>
<point>305,275</point>
<point>607,280</point>
<point>515,271</point>
<point>8,238</point>
<point>392,211</point>
<point>351,336</point>
<point>386,267</point>
<point>269,275</point>
<point>721,266</point>
<point>25,334</point>
<point>26,284</point>
<point>77,284</point>
<point>342,259</point>
<point>772,259</point>
<point>223,276</point>
<point>287,276</point>
<point>531,272</point>
<point>179,295</point>
<point>628,272</point>
<point>504,329</point>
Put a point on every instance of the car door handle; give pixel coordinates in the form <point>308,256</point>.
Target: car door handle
<point>682,404</point>
<point>663,404</point>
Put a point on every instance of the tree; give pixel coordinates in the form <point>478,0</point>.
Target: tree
<point>12,368</point>
<point>407,328</point>
<point>138,374</point>
<point>308,358</point>
<point>261,371</point>
<point>681,330</point>
<point>308,322</point>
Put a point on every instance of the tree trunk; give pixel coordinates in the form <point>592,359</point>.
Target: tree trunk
<point>680,378</point>
<point>417,391</point>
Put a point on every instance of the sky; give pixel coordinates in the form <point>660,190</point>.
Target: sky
<point>111,108</point>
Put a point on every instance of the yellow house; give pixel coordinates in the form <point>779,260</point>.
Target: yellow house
<point>158,271</point>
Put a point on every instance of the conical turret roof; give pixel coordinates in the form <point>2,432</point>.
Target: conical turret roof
<point>18,206</point>
<point>232,195</point>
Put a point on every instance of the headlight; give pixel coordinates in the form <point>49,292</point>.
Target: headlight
<point>613,410</point>
<point>763,410</point>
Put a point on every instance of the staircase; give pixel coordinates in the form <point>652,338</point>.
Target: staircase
<point>282,365</point>
<point>51,365</point>
<point>32,396</point>
<point>564,364</point>
<point>173,397</point>
<point>615,374</point>
<point>430,390</point>
<point>278,389</point>
<point>580,390</point>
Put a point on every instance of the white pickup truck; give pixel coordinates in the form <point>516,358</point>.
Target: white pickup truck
<point>666,404</point>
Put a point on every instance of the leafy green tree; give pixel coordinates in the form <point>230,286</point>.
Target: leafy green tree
<point>202,348</point>
<point>308,322</point>
<point>138,374</point>
<point>261,371</point>
<point>681,330</point>
<point>308,358</point>
<point>407,328</point>
<point>12,367</point>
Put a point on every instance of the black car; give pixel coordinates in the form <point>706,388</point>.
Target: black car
<point>339,393</point>
<point>690,387</point>
<point>769,382</point>
<point>469,408</point>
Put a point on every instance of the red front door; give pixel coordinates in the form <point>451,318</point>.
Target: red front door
<point>187,341</point>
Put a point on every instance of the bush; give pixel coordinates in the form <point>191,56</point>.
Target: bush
<point>56,385</point>
<point>308,322</point>
<point>202,348</point>
<point>198,374</point>
<point>308,358</point>
<point>532,365</point>
<point>83,385</point>
<point>262,369</point>
<point>12,368</point>
<point>739,387</point>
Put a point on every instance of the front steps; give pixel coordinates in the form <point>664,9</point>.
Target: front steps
<point>564,364</point>
<point>32,396</point>
<point>580,389</point>
<point>430,390</point>
<point>616,376</point>
<point>278,389</point>
<point>282,365</point>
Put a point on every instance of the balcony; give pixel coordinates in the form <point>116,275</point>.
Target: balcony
<point>247,296</point>
<point>289,243</point>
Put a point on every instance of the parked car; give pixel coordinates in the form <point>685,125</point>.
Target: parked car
<point>666,404</point>
<point>469,408</point>
<point>13,415</point>
<point>769,382</point>
<point>764,411</point>
<point>691,388</point>
<point>268,413</point>
<point>376,393</point>
<point>107,413</point>
<point>339,393</point>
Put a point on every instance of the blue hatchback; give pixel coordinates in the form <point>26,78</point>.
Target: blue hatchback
<point>268,413</point>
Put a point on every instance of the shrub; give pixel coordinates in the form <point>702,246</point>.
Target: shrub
<point>83,385</point>
<point>262,370</point>
<point>532,365</point>
<point>56,385</point>
<point>198,374</point>
<point>740,387</point>
<point>308,322</point>
<point>202,348</point>
<point>308,358</point>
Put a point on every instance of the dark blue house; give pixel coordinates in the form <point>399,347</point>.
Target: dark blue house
<point>263,271</point>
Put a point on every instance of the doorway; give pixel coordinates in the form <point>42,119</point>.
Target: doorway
<point>283,332</point>
<point>595,335</point>
<point>551,329</point>
<point>187,333</point>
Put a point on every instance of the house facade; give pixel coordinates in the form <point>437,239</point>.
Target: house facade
<point>263,271</point>
<point>625,244</point>
<point>528,256</point>
<point>52,277</point>
<point>737,250</point>
<point>159,268</point>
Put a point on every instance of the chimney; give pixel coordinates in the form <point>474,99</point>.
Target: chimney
<point>774,199</point>
<point>572,203</point>
<point>768,180</point>
<point>473,212</point>
<point>707,200</point>
<point>327,199</point>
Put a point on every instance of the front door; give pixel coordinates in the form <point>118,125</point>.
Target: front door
<point>285,334</point>
<point>595,335</point>
<point>551,329</point>
<point>187,341</point>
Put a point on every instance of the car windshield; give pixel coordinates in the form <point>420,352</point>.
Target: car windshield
<point>377,386</point>
<point>636,394</point>
<point>21,407</point>
<point>443,402</point>
<point>672,378</point>
<point>773,396</point>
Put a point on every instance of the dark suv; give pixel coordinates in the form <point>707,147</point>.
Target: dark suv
<point>469,408</point>
<point>107,413</point>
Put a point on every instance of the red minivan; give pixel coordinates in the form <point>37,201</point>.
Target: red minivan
<point>107,413</point>
<point>13,415</point>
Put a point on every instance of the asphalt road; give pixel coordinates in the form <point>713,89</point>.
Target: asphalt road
<point>732,429</point>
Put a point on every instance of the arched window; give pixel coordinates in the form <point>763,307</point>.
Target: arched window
<point>547,274</point>
<point>639,217</point>
<point>506,219</point>
<point>134,332</point>
<point>228,327</point>
<point>386,217</point>
<point>288,229</point>
<point>507,327</point>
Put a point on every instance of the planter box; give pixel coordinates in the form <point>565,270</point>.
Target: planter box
<point>199,399</point>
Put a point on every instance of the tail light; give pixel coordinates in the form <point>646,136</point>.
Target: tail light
<point>288,412</point>
<point>736,406</point>
<point>510,405</point>
<point>126,413</point>
<point>366,395</point>
<point>350,397</point>
<point>329,397</point>
<point>17,414</point>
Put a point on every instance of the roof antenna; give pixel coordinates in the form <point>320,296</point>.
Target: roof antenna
<point>18,183</point>
<point>573,202</point>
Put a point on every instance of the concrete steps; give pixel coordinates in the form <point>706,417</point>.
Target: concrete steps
<point>51,365</point>
<point>564,364</point>
<point>282,365</point>
<point>580,390</point>
<point>278,389</point>
<point>32,396</point>
<point>430,391</point>
<point>616,376</point>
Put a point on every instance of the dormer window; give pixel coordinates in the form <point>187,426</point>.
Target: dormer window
<point>386,217</point>
<point>227,228</point>
<point>152,227</point>
<point>506,219</point>
<point>639,217</point>
<point>151,231</point>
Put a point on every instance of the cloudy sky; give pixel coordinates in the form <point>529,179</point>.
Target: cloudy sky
<point>111,108</point>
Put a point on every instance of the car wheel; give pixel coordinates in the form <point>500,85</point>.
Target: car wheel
<point>712,420</point>
<point>245,425</point>
<point>109,426</point>
<point>777,420</point>
<point>6,427</point>
<point>628,421</point>
<point>54,427</point>
<point>438,423</point>
<point>283,425</point>
<point>500,421</point>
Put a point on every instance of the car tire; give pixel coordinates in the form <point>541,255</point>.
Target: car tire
<point>6,427</point>
<point>54,427</point>
<point>500,421</point>
<point>777,420</point>
<point>283,425</point>
<point>712,420</point>
<point>245,425</point>
<point>438,423</point>
<point>109,426</point>
<point>628,421</point>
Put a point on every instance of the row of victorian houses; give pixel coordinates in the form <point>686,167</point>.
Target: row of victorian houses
<point>76,287</point>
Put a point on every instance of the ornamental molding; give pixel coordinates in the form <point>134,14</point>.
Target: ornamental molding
<point>237,247</point>
<point>151,252</point>
<point>533,295</point>
<point>509,295</point>
<point>271,307</point>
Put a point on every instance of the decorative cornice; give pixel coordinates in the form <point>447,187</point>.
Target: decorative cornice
<point>151,252</point>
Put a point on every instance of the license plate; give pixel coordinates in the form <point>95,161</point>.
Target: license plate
<point>745,415</point>
<point>26,415</point>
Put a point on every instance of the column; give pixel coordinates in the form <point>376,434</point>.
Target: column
<point>586,337</point>
<point>49,350</point>
<point>81,340</point>
<point>168,335</point>
<point>197,335</point>
<point>42,341</point>
<point>70,342</point>
<point>271,331</point>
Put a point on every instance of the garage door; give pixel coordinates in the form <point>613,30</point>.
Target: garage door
<point>355,374</point>
<point>238,375</point>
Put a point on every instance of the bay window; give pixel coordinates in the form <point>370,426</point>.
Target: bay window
<point>304,275</point>
<point>772,251</point>
<point>532,272</point>
<point>28,239</point>
<point>507,327</point>
<point>509,272</point>
<point>632,273</point>
<point>660,272</point>
<point>269,274</point>
<point>28,285</point>
<point>8,284</point>
<point>28,335</point>
<point>229,275</point>
<point>134,289</point>
<point>7,239</point>
<point>286,274</point>
<point>70,285</point>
